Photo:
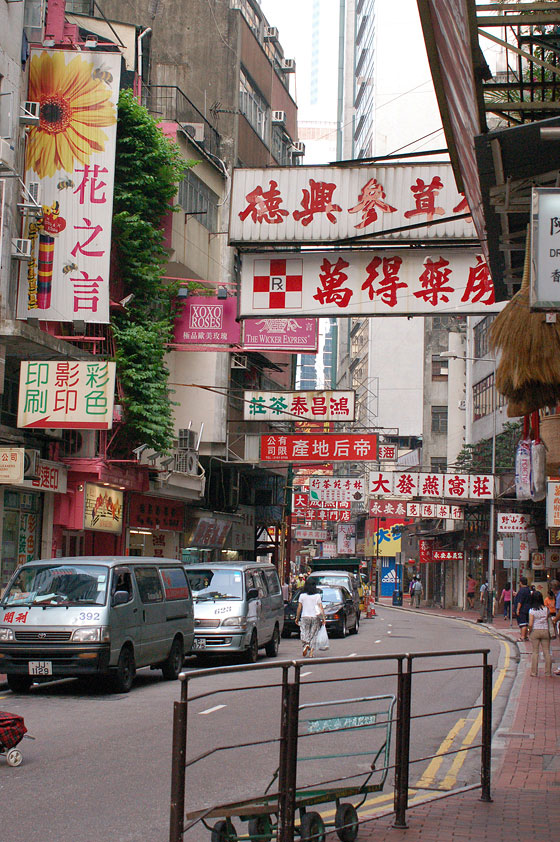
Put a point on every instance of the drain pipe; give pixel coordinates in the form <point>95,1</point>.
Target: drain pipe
<point>139,60</point>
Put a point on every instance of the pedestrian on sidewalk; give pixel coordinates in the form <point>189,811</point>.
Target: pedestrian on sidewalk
<point>505,597</point>
<point>538,633</point>
<point>550,603</point>
<point>483,600</point>
<point>310,616</point>
<point>471,591</point>
<point>417,591</point>
<point>555,588</point>
<point>522,608</point>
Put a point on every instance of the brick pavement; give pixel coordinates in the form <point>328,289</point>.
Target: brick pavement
<point>525,780</point>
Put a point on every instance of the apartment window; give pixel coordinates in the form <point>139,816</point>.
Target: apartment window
<point>253,106</point>
<point>485,398</point>
<point>438,464</point>
<point>440,367</point>
<point>439,419</point>
<point>481,331</point>
<point>280,147</point>
<point>199,201</point>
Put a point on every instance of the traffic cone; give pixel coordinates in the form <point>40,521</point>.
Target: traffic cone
<point>370,613</point>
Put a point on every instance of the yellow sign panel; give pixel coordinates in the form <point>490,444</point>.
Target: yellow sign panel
<point>389,538</point>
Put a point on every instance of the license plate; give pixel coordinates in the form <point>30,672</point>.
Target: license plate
<point>199,643</point>
<point>40,667</point>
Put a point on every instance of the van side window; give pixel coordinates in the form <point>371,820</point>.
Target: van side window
<point>272,581</point>
<point>148,583</point>
<point>259,584</point>
<point>175,582</point>
<point>122,581</point>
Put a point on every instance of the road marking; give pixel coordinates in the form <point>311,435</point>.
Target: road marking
<point>378,641</point>
<point>210,710</point>
<point>303,674</point>
<point>352,655</point>
<point>433,767</point>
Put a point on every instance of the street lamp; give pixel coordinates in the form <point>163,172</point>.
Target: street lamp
<point>451,355</point>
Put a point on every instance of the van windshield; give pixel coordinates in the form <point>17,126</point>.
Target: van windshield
<point>59,584</point>
<point>209,583</point>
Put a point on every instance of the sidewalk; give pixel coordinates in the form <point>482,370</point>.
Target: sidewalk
<point>525,786</point>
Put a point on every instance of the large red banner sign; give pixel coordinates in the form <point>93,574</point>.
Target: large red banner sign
<point>333,447</point>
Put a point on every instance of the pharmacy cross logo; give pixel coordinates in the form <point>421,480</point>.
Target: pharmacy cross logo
<point>277,284</point>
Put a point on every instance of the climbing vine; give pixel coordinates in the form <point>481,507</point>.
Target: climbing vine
<point>147,171</point>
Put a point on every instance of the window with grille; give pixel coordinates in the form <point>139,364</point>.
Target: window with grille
<point>440,367</point>
<point>253,106</point>
<point>439,419</point>
<point>485,398</point>
<point>199,201</point>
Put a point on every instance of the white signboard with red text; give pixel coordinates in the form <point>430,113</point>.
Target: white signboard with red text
<point>513,522</point>
<point>433,510</point>
<point>393,282</point>
<point>337,489</point>
<point>290,406</point>
<point>303,534</point>
<point>329,203</point>
<point>346,538</point>
<point>407,485</point>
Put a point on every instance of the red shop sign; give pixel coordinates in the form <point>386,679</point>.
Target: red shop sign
<point>156,513</point>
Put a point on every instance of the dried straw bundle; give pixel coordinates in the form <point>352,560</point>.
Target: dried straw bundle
<point>528,373</point>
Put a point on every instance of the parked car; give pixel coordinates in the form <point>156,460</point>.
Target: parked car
<point>340,612</point>
<point>238,608</point>
<point>96,616</point>
<point>338,579</point>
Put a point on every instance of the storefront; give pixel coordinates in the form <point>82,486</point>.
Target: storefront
<point>155,526</point>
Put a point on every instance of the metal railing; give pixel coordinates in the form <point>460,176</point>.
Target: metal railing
<point>168,102</point>
<point>278,807</point>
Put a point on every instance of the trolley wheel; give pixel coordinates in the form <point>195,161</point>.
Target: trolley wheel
<point>346,822</point>
<point>223,831</point>
<point>260,829</point>
<point>312,828</point>
<point>14,757</point>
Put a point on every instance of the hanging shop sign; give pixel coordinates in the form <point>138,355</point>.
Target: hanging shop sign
<point>329,549</point>
<point>66,395</point>
<point>552,557</point>
<point>366,283</point>
<point>337,489</point>
<point>301,533</point>
<point>331,447</point>
<point>301,499</point>
<point>333,515</point>
<point>294,336</point>
<point>289,406</point>
<point>11,465</point>
<point>156,513</point>
<point>383,540</point>
<point>210,533</point>
<point>431,510</point>
<point>425,550</point>
<point>447,555</point>
<point>545,249</point>
<point>553,505</point>
<point>387,508</point>
<point>346,538</point>
<point>554,537</point>
<point>328,203</point>
<point>206,321</point>
<point>387,452</point>
<point>70,165</point>
<point>51,476</point>
<point>242,534</point>
<point>403,484</point>
<point>508,522</point>
<point>103,508</point>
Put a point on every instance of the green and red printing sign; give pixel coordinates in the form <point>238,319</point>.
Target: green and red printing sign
<point>65,394</point>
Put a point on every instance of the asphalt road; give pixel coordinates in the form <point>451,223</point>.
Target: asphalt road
<point>99,767</point>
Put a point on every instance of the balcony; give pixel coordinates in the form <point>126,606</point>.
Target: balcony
<point>168,103</point>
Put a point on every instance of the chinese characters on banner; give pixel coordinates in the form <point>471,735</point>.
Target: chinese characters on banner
<point>545,248</point>
<point>323,204</point>
<point>447,555</point>
<point>303,534</point>
<point>346,538</point>
<point>387,452</point>
<point>156,513</point>
<point>433,510</point>
<point>425,550</point>
<point>301,499</point>
<point>50,477</point>
<point>335,489</point>
<point>366,283</point>
<point>11,465</point>
<point>332,447</point>
<point>289,335</point>
<point>66,394</point>
<point>103,508</point>
<point>205,320</point>
<point>553,505</point>
<point>290,406</point>
<point>71,155</point>
<point>404,484</point>
<point>513,522</point>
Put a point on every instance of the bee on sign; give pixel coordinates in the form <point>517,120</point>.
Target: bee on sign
<point>102,75</point>
<point>64,183</point>
<point>68,267</point>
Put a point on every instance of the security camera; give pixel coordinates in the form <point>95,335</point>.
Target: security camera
<point>138,451</point>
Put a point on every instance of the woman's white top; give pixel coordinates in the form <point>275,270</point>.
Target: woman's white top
<point>310,603</point>
<point>540,615</point>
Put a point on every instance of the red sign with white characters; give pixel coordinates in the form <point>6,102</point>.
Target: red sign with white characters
<point>386,508</point>
<point>332,447</point>
<point>333,515</point>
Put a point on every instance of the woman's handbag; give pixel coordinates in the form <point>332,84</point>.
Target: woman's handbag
<point>322,638</point>
<point>551,628</point>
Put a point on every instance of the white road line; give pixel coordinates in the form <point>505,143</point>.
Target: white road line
<point>303,674</point>
<point>210,710</point>
<point>378,641</point>
<point>353,655</point>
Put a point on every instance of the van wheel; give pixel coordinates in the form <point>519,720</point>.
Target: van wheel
<point>356,628</point>
<point>173,664</point>
<point>252,654</point>
<point>19,683</point>
<point>271,647</point>
<point>126,669</point>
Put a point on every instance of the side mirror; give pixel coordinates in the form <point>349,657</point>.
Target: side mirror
<point>252,593</point>
<point>121,597</point>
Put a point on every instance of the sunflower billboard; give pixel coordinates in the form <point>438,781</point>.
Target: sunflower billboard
<point>70,166</point>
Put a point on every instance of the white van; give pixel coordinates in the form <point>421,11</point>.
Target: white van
<point>95,616</point>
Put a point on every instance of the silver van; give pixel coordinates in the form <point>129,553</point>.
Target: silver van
<point>238,608</point>
<point>95,616</point>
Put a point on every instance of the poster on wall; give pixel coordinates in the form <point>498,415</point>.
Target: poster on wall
<point>346,538</point>
<point>69,169</point>
<point>103,508</point>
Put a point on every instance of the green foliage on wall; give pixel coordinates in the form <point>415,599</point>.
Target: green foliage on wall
<point>477,458</point>
<point>147,171</point>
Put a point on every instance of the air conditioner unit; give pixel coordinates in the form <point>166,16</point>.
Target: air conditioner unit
<point>462,405</point>
<point>31,195</point>
<point>289,65</point>
<point>271,33</point>
<point>187,463</point>
<point>298,147</point>
<point>6,156</point>
<point>31,463</point>
<point>187,439</point>
<point>79,444</point>
<point>22,249</point>
<point>30,113</point>
<point>279,118</point>
<point>239,361</point>
<point>194,130</point>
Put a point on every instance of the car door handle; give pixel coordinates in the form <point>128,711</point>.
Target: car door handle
<point>134,610</point>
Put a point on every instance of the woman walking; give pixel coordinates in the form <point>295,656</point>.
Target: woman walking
<point>310,616</point>
<point>506,599</point>
<point>538,633</point>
